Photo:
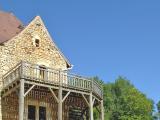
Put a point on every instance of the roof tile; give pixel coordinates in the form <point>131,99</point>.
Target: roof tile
<point>9,26</point>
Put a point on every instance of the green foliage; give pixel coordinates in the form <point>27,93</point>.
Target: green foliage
<point>158,107</point>
<point>156,115</point>
<point>96,78</point>
<point>96,114</point>
<point>122,101</point>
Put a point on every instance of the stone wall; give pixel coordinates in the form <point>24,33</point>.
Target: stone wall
<point>34,45</point>
<point>10,107</point>
<point>22,47</point>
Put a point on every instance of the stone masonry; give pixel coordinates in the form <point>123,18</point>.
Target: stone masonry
<point>33,44</point>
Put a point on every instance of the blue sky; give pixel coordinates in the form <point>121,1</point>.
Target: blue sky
<point>106,38</point>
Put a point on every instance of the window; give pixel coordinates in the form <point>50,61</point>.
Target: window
<point>37,42</point>
<point>42,113</point>
<point>42,72</point>
<point>31,112</point>
<point>75,114</point>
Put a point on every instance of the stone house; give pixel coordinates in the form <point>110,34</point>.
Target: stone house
<point>35,82</point>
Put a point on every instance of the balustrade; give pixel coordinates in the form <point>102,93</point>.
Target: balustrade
<point>36,73</point>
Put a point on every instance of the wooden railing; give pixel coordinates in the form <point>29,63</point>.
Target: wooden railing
<point>12,75</point>
<point>36,73</point>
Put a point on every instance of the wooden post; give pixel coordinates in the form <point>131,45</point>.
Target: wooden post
<point>102,110</point>
<point>0,107</point>
<point>60,104</point>
<point>60,98</point>
<point>21,100</point>
<point>91,106</point>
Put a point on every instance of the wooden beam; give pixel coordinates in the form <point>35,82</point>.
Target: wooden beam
<point>29,90</point>
<point>102,110</point>
<point>91,106</point>
<point>75,91</point>
<point>54,95</point>
<point>42,85</point>
<point>86,100</point>
<point>66,96</point>
<point>10,91</point>
<point>93,101</point>
<point>98,110</point>
<point>60,103</point>
<point>21,100</point>
<point>97,98</point>
<point>56,87</point>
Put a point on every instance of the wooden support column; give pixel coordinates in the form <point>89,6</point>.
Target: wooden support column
<point>60,98</point>
<point>102,110</point>
<point>60,104</point>
<point>91,106</point>
<point>21,99</point>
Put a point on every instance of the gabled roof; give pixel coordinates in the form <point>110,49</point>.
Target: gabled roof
<point>10,26</point>
<point>69,65</point>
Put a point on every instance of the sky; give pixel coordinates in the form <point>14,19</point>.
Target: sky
<point>105,38</point>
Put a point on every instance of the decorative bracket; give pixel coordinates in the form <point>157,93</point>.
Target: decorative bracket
<point>54,95</point>
<point>29,90</point>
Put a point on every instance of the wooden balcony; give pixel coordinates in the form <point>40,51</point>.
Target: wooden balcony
<point>48,76</point>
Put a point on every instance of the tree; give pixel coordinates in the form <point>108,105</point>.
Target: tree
<point>158,107</point>
<point>157,114</point>
<point>122,101</point>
